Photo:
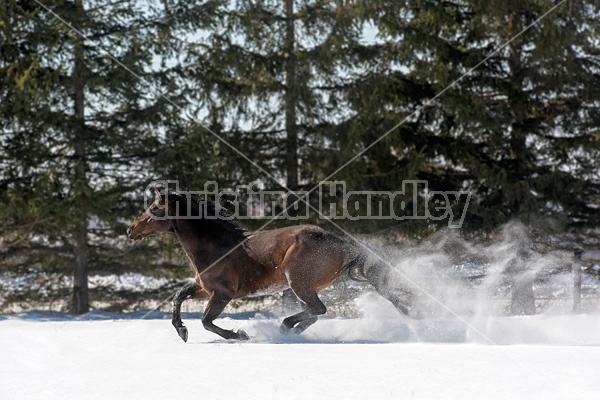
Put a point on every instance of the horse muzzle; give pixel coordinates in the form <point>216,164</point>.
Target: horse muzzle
<point>133,237</point>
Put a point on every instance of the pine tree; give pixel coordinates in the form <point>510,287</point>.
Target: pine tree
<point>270,78</point>
<point>517,131</point>
<point>77,133</point>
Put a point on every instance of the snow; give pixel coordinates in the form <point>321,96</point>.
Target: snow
<point>382,355</point>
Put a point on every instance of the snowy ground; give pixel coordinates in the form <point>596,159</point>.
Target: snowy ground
<point>380,356</point>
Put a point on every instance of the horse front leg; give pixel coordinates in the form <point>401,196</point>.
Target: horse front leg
<point>216,305</point>
<point>191,291</point>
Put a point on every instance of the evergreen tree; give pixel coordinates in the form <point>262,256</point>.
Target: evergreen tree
<point>77,132</point>
<point>518,131</point>
<point>270,76</point>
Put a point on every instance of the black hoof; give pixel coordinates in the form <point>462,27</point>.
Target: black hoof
<point>242,335</point>
<point>183,333</point>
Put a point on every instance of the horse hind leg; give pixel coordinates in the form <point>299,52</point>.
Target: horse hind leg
<point>302,325</point>
<point>298,323</point>
<point>381,276</point>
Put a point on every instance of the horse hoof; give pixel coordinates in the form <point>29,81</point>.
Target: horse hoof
<point>183,333</point>
<point>242,335</point>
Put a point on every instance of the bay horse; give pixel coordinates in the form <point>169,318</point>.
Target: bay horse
<point>230,263</point>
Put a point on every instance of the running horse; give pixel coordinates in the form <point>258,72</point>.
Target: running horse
<point>229,262</point>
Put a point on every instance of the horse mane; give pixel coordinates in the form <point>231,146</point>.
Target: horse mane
<point>220,219</point>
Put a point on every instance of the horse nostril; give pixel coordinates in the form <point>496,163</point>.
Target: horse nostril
<point>129,231</point>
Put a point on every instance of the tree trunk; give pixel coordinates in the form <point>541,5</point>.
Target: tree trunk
<point>80,303</point>
<point>577,281</point>
<point>522,300</point>
<point>518,135</point>
<point>290,301</point>
<point>522,296</point>
<point>290,100</point>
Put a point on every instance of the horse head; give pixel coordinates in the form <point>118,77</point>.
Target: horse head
<point>155,220</point>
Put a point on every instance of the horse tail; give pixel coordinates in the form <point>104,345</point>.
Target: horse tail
<point>356,268</point>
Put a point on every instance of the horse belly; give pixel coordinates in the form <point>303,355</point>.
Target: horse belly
<point>263,287</point>
<point>267,291</point>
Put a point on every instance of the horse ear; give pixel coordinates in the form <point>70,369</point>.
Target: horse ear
<point>157,194</point>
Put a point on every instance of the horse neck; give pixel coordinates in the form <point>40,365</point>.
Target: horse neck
<point>204,241</point>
